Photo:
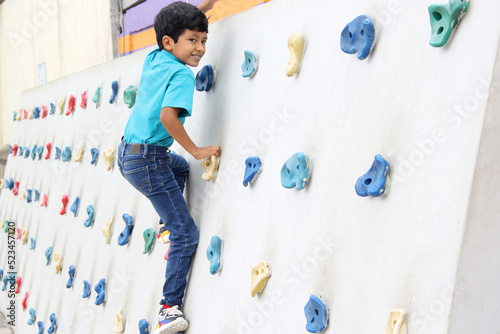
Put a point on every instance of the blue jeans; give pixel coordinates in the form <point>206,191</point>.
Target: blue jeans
<point>160,176</point>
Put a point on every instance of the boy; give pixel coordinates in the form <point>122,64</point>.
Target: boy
<point>164,99</point>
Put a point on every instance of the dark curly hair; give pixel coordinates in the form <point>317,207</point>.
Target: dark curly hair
<point>173,19</point>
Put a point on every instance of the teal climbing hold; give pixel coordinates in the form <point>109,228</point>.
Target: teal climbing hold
<point>48,253</point>
<point>90,218</point>
<point>33,243</point>
<point>295,172</point>
<point>32,318</point>
<point>97,97</point>
<point>214,254</point>
<point>129,96</point>
<point>249,66</point>
<point>149,240</point>
<point>445,19</point>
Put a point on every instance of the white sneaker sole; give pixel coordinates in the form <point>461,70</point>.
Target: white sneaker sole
<point>176,326</point>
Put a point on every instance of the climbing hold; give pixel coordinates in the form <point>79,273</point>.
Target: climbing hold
<point>30,113</point>
<point>7,278</point>
<point>79,154</point>
<point>25,299</point>
<point>36,112</point>
<point>109,157</point>
<point>52,108</point>
<point>106,230</point>
<point>45,198</point>
<point>97,97</point>
<point>16,188</point>
<point>60,104</point>
<point>39,151</point>
<point>24,235</point>
<point>373,182</point>
<point>95,153</point>
<point>316,315</point>
<point>2,225</point>
<point>23,194</point>
<point>14,150</point>
<point>114,87</point>
<point>64,202</point>
<point>40,327</point>
<point>86,289</point>
<point>74,206</point>
<point>53,323</point>
<point>19,280</point>
<point>358,36</point>
<point>260,275</point>
<point>163,235</point>
<point>26,152</point>
<point>296,47</point>
<point>249,66</point>
<point>2,183</point>
<point>214,254</point>
<point>37,195</point>
<point>71,273</point>
<point>149,240</point>
<point>143,326</point>
<point>20,151</point>
<point>28,197</point>
<point>124,237</point>
<point>129,96</point>
<point>296,172</point>
<point>32,318</point>
<point>9,184</point>
<point>23,112</point>
<point>6,229</point>
<point>58,153</point>
<point>14,116</point>
<point>445,19</point>
<point>119,323</point>
<point>44,111</point>
<point>210,166</point>
<point>19,231</point>
<point>58,262</point>
<point>1,274</point>
<point>205,78</point>
<point>100,289</point>
<point>397,322</point>
<point>90,218</point>
<point>66,154</point>
<point>48,146</point>
<point>33,243</point>
<point>48,253</point>
<point>83,103</point>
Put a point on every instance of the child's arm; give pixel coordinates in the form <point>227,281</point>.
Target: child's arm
<point>206,5</point>
<point>170,120</point>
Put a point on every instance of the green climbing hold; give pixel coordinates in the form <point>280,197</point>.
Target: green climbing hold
<point>445,19</point>
<point>149,238</point>
<point>97,97</point>
<point>129,96</point>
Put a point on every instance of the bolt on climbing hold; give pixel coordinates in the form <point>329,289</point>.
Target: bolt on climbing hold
<point>2,183</point>
<point>205,78</point>
<point>48,253</point>
<point>45,199</point>
<point>90,218</point>
<point>95,153</point>
<point>53,324</point>
<point>23,195</point>
<point>14,116</point>
<point>214,254</point>
<point>316,315</point>
<point>16,188</point>
<point>124,236</point>
<point>129,96</point>
<point>26,152</point>
<point>40,327</point>
<point>25,300</point>
<point>33,152</point>
<point>143,326</point>
<point>36,112</point>
<point>39,151</point>
<point>210,165</point>
<point>358,37</point>
<point>58,153</point>
<point>373,182</point>
<point>249,66</point>
<point>79,154</point>
<point>71,278</point>
<point>30,113</point>
<point>33,243</point>
<point>37,195</point>
<point>296,48</point>
<point>24,236</point>
<point>100,288</point>
<point>114,87</point>
<point>86,289</point>
<point>109,155</point>
<point>260,274</point>
<point>32,318</point>
<point>58,262</point>
<point>445,19</point>
<point>14,150</point>
<point>74,206</point>
<point>28,196</point>
<point>47,155</point>
<point>44,111</point>
<point>20,151</point>
<point>397,322</point>
<point>296,172</point>
<point>66,154</point>
<point>71,105</point>
<point>97,97</point>
<point>52,108</point>
<point>253,166</point>
<point>106,230</point>
<point>64,202</point>
<point>19,280</point>
<point>149,240</point>
<point>119,323</point>
<point>60,104</point>
<point>83,102</point>
<point>18,233</point>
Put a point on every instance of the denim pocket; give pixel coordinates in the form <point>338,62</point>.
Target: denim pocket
<point>138,177</point>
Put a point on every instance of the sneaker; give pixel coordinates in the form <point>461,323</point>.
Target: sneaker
<point>163,235</point>
<point>171,321</point>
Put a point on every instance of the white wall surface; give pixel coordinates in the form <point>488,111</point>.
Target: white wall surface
<point>421,108</point>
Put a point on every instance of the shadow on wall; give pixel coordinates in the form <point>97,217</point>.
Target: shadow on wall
<point>4,154</point>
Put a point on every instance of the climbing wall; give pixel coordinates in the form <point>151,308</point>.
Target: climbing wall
<point>415,248</point>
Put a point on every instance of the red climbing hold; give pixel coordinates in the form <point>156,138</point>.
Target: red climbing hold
<point>47,156</point>
<point>71,105</point>
<point>65,202</point>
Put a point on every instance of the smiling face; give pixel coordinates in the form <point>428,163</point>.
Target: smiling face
<point>190,46</point>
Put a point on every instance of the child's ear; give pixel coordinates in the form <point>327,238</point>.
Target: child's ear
<point>167,42</point>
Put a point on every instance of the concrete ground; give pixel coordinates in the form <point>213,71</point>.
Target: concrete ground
<point>4,326</point>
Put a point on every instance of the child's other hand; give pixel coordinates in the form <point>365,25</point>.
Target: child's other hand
<point>205,152</point>
<point>206,5</point>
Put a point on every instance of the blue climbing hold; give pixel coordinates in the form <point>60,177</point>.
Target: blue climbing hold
<point>90,218</point>
<point>36,112</point>
<point>95,154</point>
<point>71,273</point>
<point>14,116</point>
<point>295,172</point>
<point>372,183</point>
<point>28,196</point>
<point>86,289</point>
<point>66,154</point>
<point>33,152</point>
<point>32,243</point>
<point>40,327</point>
<point>316,315</point>
<point>52,108</point>
<point>214,254</point>
<point>37,195</point>
<point>205,78</point>
<point>5,279</point>
<point>114,87</point>
<point>358,36</point>
<point>26,152</point>
<point>10,149</point>
<point>253,166</point>
<point>20,153</point>
<point>58,153</point>
<point>48,253</point>
<point>143,326</point>
<point>1,274</point>
<point>10,184</point>
<point>249,66</point>
<point>124,237</point>
<point>74,206</point>
<point>39,151</point>
<point>100,289</point>
<point>32,318</point>
<point>53,323</point>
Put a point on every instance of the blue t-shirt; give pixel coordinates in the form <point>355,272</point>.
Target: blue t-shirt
<point>165,82</point>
